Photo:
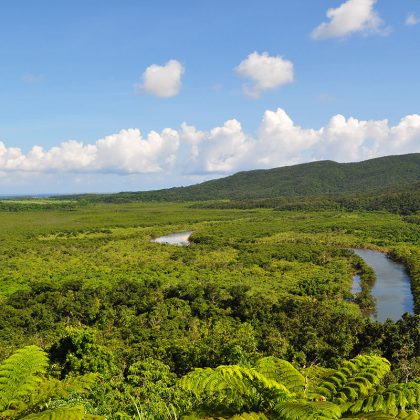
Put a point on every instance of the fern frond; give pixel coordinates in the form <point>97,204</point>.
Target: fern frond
<point>282,372</point>
<point>394,400</point>
<point>233,388</point>
<point>308,410</point>
<point>355,379</point>
<point>52,389</point>
<point>20,375</point>
<point>249,416</point>
<point>64,413</point>
<point>371,416</point>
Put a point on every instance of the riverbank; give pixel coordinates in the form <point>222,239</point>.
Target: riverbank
<point>390,286</point>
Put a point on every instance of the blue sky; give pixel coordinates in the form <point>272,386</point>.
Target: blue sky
<point>69,71</point>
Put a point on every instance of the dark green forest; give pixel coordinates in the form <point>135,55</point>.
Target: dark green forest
<point>307,179</point>
<point>253,320</point>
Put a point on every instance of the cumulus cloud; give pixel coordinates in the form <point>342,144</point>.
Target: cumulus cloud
<point>223,149</point>
<point>351,17</point>
<point>412,19</point>
<point>162,81</point>
<point>125,152</point>
<point>267,72</point>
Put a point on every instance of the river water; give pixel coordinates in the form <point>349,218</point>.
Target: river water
<point>181,238</point>
<point>392,287</point>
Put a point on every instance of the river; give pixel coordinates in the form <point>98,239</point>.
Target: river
<point>392,287</point>
<point>391,290</point>
<point>181,238</point>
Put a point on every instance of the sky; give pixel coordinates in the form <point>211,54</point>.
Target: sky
<point>104,96</point>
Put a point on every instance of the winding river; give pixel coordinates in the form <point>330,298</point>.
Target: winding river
<point>391,290</point>
<point>392,287</point>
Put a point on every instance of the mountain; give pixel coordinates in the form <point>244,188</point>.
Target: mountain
<point>307,179</point>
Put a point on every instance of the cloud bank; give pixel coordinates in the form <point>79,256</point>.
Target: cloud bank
<point>266,72</point>
<point>351,17</point>
<point>161,81</point>
<point>224,149</point>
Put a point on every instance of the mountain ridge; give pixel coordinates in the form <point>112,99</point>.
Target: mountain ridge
<point>305,179</point>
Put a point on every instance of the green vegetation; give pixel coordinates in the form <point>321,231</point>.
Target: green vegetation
<point>25,388</point>
<point>275,389</point>
<point>37,204</point>
<point>260,300</point>
<point>272,389</point>
<point>308,179</point>
<point>401,200</point>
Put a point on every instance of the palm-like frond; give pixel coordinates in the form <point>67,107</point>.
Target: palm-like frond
<point>20,374</point>
<point>371,416</point>
<point>249,416</point>
<point>354,380</point>
<point>52,389</point>
<point>282,372</point>
<point>308,410</point>
<point>64,413</point>
<point>230,389</point>
<point>394,400</point>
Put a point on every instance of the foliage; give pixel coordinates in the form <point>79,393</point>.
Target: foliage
<point>68,413</point>
<point>355,388</point>
<point>77,353</point>
<point>298,180</point>
<point>25,388</point>
<point>283,372</point>
<point>355,379</point>
<point>20,375</point>
<point>90,287</point>
<point>227,390</point>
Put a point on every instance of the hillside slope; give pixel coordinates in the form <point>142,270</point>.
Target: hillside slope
<point>307,179</point>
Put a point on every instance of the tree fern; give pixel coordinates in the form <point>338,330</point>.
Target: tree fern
<point>249,416</point>
<point>63,413</point>
<point>281,371</point>
<point>394,400</point>
<point>242,416</point>
<point>53,389</point>
<point>308,410</point>
<point>24,389</point>
<point>20,375</point>
<point>354,380</point>
<point>371,416</point>
<point>355,390</point>
<point>233,389</point>
<point>382,416</point>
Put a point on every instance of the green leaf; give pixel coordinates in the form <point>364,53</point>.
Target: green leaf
<point>281,371</point>
<point>20,375</point>
<point>63,413</point>
<point>298,410</point>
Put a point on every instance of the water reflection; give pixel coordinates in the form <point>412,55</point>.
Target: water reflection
<point>181,238</point>
<point>392,287</point>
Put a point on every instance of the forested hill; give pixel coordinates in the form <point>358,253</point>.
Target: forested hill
<point>322,177</point>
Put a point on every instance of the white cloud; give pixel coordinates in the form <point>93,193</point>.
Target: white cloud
<point>352,16</point>
<point>267,72</point>
<point>172,154</point>
<point>126,152</point>
<point>226,148</point>
<point>412,20</point>
<point>280,141</point>
<point>192,136</point>
<point>162,81</point>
